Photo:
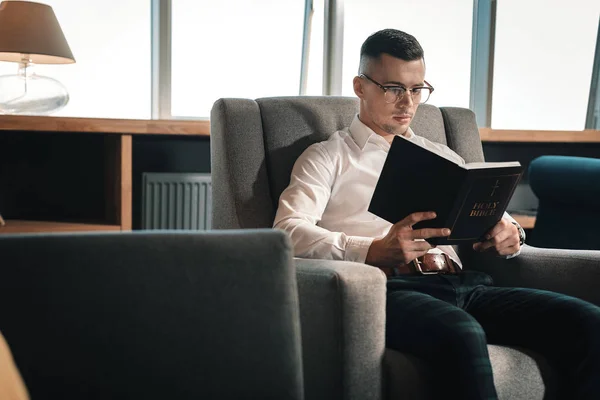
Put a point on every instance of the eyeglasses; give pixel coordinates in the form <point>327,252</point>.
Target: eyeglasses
<point>419,94</point>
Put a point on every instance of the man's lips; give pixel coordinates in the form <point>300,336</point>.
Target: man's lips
<point>402,118</point>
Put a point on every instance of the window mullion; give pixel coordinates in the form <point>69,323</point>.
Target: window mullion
<point>333,51</point>
<point>482,60</point>
<point>161,59</point>
<point>592,120</point>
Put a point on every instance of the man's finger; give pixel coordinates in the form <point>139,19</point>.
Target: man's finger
<point>499,227</point>
<point>507,243</point>
<point>420,246</point>
<point>413,218</point>
<point>483,246</point>
<point>411,255</point>
<point>496,241</point>
<point>427,233</point>
<point>507,251</point>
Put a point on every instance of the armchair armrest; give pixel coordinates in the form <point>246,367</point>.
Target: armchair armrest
<point>342,318</point>
<point>572,272</point>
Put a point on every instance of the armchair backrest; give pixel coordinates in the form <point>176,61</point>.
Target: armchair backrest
<point>568,190</point>
<point>152,315</point>
<point>254,144</point>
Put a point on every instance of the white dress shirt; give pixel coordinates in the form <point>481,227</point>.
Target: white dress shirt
<point>325,207</point>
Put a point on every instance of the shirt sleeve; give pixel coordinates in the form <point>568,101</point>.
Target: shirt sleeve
<point>301,206</point>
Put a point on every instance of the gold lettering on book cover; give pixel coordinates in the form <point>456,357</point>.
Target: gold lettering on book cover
<point>484,209</point>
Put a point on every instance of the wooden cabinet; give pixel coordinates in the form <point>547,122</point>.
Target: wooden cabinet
<point>115,138</point>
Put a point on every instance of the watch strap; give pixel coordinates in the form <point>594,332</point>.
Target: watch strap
<point>521,233</point>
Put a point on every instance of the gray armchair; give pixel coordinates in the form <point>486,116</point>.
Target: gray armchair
<point>159,315</point>
<point>254,144</point>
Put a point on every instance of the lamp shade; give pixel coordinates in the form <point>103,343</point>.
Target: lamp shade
<point>28,28</point>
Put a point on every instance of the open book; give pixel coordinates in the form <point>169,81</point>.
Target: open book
<point>468,199</point>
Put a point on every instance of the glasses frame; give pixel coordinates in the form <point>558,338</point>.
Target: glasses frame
<point>406,90</point>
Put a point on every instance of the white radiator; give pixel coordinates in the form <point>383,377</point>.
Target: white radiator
<point>176,201</point>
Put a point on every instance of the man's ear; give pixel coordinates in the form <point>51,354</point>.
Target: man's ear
<point>359,89</point>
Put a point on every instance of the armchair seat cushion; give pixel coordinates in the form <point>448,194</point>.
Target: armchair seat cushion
<point>518,375</point>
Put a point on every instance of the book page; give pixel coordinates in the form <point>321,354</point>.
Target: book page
<point>483,165</point>
<point>432,149</point>
<point>439,151</point>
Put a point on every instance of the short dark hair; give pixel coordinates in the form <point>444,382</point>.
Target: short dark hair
<point>390,41</point>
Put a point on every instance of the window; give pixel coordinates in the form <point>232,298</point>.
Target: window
<point>111,45</point>
<point>233,48</point>
<point>442,27</point>
<point>544,53</point>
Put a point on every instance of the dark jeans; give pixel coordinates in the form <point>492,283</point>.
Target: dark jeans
<point>448,320</point>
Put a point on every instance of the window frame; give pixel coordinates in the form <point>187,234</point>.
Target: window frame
<point>482,59</point>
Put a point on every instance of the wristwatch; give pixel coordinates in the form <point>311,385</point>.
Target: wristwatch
<point>521,233</point>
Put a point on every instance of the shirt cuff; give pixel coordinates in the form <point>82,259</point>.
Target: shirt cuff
<point>513,255</point>
<point>357,248</point>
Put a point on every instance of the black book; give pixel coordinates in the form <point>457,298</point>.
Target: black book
<point>468,199</point>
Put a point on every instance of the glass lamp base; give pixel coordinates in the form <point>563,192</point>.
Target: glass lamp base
<point>31,94</point>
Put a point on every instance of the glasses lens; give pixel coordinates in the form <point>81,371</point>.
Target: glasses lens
<point>393,94</point>
<point>424,96</point>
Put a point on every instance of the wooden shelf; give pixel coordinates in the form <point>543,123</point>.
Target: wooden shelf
<point>118,151</point>
<point>528,136</point>
<point>22,226</point>
<point>118,158</point>
<point>526,221</point>
<point>202,128</point>
<point>105,125</point>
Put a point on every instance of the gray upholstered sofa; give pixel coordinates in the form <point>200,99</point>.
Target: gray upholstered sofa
<point>342,304</point>
<point>152,315</point>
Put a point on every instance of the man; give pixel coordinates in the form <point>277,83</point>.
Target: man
<point>446,318</point>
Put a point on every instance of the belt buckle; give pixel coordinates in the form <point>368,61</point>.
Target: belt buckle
<point>417,265</point>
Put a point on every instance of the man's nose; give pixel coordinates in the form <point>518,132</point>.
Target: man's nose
<point>405,101</point>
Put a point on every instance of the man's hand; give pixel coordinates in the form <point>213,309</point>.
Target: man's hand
<point>399,245</point>
<point>501,240</point>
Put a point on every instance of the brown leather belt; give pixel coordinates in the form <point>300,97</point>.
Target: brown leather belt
<point>428,264</point>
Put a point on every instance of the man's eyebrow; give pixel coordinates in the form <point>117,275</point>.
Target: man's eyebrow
<point>396,83</point>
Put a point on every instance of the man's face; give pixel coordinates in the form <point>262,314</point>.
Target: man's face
<point>388,119</point>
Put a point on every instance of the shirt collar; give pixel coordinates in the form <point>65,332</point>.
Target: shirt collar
<point>363,134</point>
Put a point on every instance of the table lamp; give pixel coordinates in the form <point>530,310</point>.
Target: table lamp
<point>30,34</point>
